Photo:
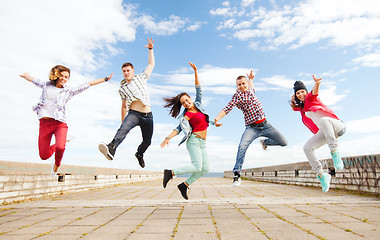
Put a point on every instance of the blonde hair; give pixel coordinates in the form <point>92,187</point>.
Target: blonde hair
<point>55,72</point>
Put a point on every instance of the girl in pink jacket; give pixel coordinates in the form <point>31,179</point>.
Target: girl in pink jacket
<point>325,125</point>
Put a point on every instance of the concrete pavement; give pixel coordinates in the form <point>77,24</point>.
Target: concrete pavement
<point>215,210</point>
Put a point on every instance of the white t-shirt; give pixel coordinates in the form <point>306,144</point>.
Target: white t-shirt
<point>47,110</point>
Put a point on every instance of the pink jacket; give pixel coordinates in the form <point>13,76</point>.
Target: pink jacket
<point>314,104</point>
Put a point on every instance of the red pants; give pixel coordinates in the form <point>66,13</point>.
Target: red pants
<point>48,127</point>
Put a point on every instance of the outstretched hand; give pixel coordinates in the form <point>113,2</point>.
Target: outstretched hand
<point>317,80</point>
<point>27,76</point>
<point>150,43</point>
<point>110,76</point>
<point>193,66</point>
<point>165,143</point>
<point>217,124</point>
<point>250,75</point>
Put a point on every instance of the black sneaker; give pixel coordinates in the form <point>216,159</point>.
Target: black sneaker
<point>237,179</point>
<point>183,189</point>
<point>108,150</point>
<point>141,160</point>
<point>167,176</point>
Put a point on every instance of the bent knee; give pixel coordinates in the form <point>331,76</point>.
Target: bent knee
<point>307,148</point>
<point>45,155</point>
<point>284,143</point>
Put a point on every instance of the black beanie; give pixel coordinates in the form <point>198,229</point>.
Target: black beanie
<point>298,85</point>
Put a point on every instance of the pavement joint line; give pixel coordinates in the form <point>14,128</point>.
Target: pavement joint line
<point>25,226</point>
<point>254,194</point>
<point>221,194</point>
<point>204,193</point>
<point>178,220</point>
<point>171,195</point>
<point>141,223</point>
<point>308,231</point>
<point>77,219</point>
<point>266,191</point>
<point>250,220</point>
<point>102,225</point>
<point>303,192</point>
<point>337,226</point>
<point>214,222</point>
<point>341,213</point>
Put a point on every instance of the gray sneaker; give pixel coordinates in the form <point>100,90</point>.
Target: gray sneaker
<point>108,150</point>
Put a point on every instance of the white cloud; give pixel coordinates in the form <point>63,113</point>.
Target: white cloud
<point>164,27</point>
<point>281,82</point>
<point>226,11</point>
<point>342,23</point>
<point>41,31</point>
<point>246,3</point>
<point>369,60</point>
<point>364,126</point>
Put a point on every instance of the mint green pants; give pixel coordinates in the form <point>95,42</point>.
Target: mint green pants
<point>199,159</point>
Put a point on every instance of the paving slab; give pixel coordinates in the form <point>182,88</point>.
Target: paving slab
<point>215,210</point>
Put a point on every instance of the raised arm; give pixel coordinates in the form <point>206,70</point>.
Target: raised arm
<point>100,80</point>
<point>151,62</point>
<point>27,76</point>
<point>250,79</point>
<point>317,81</point>
<point>195,73</point>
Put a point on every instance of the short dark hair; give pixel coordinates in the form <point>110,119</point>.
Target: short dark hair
<point>127,64</point>
<point>240,77</point>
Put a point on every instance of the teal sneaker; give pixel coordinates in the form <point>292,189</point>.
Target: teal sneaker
<point>338,163</point>
<point>325,181</point>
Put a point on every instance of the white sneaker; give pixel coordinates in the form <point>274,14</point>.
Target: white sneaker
<point>52,173</point>
<point>236,182</point>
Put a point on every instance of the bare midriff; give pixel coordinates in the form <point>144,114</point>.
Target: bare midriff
<point>201,134</point>
<point>137,105</point>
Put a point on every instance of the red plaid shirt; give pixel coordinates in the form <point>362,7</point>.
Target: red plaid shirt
<point>248,103</point>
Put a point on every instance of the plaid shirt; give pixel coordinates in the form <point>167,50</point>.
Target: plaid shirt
<point>248,103</point>
<point>136,89</point>
<point>63,97</point>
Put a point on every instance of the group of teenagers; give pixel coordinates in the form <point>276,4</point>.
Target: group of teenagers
<point>193,121</point>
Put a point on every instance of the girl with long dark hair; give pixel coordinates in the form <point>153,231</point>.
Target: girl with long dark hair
<point>193,122</point>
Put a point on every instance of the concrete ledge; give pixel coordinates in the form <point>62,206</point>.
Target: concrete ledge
<point>360,173</point>
<point>23,181</point>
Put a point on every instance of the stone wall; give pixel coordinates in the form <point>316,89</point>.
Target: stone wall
<point>360,173</point>
<point>23,181</point>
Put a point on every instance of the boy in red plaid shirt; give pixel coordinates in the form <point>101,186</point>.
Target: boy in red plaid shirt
<point>255,122</point>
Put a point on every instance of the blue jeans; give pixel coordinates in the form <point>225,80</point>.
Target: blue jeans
<point>274,138</point>
<point>133,119</point>
<point>199,159</point>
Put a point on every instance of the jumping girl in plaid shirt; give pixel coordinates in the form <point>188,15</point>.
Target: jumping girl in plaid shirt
<point>51,111</point>
<point>255,122</point>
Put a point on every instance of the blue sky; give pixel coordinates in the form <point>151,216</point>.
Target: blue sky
<point>282,41</point>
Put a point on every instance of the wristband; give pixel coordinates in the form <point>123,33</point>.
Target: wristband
<point>150,48</point>
<point>167,138</point>
<point>106,79</point>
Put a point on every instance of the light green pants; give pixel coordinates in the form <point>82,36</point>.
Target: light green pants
<point>199,159</point>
